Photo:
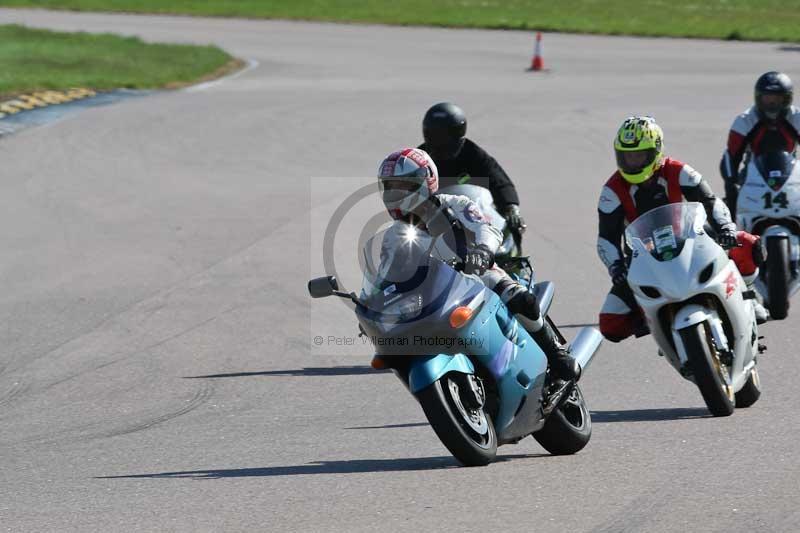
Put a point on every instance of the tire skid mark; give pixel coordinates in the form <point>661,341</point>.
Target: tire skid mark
<point>201,396</point>
<point>50,437</point>
<point>93,430</point>
<point>162,293</point>
<point>16,389</point>
<point>134,353</point>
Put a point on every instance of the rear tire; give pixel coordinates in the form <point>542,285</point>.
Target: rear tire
<point>751,391</point>
<point>568,428</point>
<point>707,369</point>
<point>473,442</point>
<point>778,276</point>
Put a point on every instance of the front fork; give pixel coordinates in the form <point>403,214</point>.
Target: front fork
<point>426,370</point>
<point>692,315</point>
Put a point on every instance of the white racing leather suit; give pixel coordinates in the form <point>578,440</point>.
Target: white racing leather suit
<point>478,231</point>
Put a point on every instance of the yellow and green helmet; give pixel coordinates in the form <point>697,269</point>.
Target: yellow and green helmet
<point>639,147</point>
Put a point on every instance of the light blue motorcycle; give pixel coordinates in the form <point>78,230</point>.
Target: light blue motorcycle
<point>480,378</point>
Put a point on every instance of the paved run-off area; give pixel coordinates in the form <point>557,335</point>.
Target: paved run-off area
<point>166,238</point>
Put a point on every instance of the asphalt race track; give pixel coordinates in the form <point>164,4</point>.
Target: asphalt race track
<point>157,369</point>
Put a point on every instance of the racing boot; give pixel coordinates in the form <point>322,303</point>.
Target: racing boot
<point>762,315</point>
<point>562,364</point>
<point>526,308</point>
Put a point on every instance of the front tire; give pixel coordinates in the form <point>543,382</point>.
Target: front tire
<point>751,391</point>
<point>709,373</point>
<point>568,428</point>
<point>778,276</point>
<point>469,434</point>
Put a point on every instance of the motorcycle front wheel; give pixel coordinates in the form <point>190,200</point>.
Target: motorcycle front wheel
<point>710,375</point>
<point>751,391</point>
<point>568,428</point>
<point>778,277</point>
<point>468,433</point>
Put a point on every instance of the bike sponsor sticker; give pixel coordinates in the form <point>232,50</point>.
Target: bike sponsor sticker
<point>628,136</point>
<point>730,284</point>
<point>665,239</point>
<point>473,213</point>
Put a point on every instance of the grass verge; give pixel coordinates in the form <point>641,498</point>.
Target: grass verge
<point>32,60</point>
<point>775,20</point>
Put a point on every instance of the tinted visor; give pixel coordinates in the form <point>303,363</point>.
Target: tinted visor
<point>441,144</point>
<point>395,189</point>
<point>772,104</point>
<point>635,162</point>
<point>399,185</point>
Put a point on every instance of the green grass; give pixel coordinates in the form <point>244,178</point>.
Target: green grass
<point>722,19</point>
<point>37,59</point>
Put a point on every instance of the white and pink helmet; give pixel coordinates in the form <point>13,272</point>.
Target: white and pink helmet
<point>407,178</point>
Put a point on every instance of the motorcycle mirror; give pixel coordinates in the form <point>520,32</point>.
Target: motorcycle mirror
<point>322,287</point>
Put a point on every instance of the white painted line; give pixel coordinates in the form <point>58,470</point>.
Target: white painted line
<point>251,64</point>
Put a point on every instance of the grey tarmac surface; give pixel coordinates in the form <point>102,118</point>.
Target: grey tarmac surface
<point>153,242</point>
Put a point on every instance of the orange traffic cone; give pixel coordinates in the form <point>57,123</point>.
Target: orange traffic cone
<point>538,62</point>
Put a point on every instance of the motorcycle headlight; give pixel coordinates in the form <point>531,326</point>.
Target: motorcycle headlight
<point>706,273</point>
<point>403,309</point>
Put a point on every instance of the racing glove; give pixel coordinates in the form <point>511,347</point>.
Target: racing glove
<point>726,237</point>
<point>478,260</point>
<point>618,272</point>
<point>514,219</point>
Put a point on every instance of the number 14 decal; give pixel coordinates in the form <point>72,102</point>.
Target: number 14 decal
<point>779,200</point>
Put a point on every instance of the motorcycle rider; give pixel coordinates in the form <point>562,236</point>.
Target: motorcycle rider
<point>460,160</point>
<point>771,124</point>
<point>646,179</point>
<point>408,181</point>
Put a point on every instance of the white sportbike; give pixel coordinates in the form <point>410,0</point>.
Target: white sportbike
<point>769,206</point>
<point>697,304</point>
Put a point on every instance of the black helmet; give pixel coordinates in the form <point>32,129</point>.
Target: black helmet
<point>443,128</point>
<point>773,94</point>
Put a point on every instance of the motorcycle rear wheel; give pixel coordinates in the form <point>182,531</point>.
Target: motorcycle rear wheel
<point>708,370</point>
<point>468,434</point>
<point>569,428</point>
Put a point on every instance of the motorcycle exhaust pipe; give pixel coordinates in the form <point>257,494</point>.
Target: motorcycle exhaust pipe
<point>585,346</point>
